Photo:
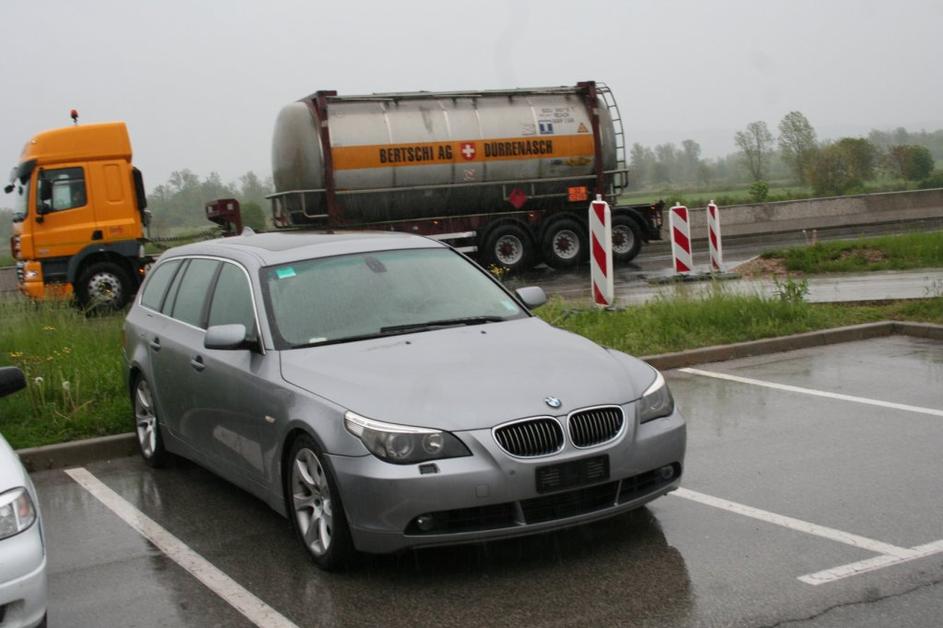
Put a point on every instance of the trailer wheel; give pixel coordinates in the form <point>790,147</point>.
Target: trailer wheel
<point>564,243</point>
<point>103,287</point>
<point>510,247</point>
<point>626,239</point>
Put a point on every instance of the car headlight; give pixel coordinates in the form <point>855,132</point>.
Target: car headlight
<point>656,401</point>
<point>16,512</point>
<point>402,444</point>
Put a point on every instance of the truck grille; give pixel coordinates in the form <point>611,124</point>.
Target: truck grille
<point>531,437</point>
<point>595,426</point>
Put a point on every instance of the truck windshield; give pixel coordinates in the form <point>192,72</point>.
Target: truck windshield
<point>382,293</point>
<point>20,199</point>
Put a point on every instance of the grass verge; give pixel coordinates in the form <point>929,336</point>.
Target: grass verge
<point>892,252</point>
<point>73,367</point>
<point>76,384</point>
<point>677,324</point>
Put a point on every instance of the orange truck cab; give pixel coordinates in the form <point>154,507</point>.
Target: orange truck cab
<point>79,215</point>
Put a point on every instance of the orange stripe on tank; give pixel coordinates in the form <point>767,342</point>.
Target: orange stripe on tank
<point>578,147</point>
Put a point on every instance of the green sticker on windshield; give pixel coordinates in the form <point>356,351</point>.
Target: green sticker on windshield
<point>285,273</point>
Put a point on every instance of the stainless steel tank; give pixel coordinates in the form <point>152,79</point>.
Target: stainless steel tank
<point>397,143</point>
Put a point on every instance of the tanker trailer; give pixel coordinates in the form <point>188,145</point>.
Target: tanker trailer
<point>506,175</point>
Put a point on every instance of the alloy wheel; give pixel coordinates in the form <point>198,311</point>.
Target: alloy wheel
<point>311,498</point>
<point>145,418</point>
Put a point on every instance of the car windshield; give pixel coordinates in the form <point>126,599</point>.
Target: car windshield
<point>367,295</point>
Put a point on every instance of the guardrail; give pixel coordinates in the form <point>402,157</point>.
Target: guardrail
<point>822,213</point>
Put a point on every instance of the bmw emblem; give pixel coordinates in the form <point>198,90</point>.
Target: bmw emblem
<point>553,402</point>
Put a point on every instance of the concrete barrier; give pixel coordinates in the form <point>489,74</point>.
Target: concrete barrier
<point>822,213</point>
<point>8,279</point>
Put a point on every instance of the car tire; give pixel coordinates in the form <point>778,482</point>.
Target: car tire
<point>626,239</point>
<point>314,506</point>
<point>146,425</point>
<point>103,287</point>
<point>510,247</point>
<point>564,243</point>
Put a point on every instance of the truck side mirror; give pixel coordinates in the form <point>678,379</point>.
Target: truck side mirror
<point>45,189</point>
<point>45,197</point>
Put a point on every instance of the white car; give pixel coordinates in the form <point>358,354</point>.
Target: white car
<point>22,543</point>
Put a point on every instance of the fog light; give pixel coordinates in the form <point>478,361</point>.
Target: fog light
<point>425,522</point>
<point>667,472</point>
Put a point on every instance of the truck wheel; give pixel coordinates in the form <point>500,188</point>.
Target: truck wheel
<point>103,286</point>
<point>564,243</point>
<point>626,239</point>
<point>510,247</point>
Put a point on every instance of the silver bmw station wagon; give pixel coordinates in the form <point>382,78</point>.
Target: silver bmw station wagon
<point>384,392</point>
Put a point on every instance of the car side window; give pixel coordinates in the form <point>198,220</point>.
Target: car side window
<point>232,299</point>
<point>157,282</point>
<point>194,288</point>
<point>171,297</point>
<point>68,189</point>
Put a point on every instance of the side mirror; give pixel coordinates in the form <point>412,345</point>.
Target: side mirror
<point>11,380</point>
<point>532,296</point>
<point>45,189</point>
<point>45,197</point>
<point>226,337</point>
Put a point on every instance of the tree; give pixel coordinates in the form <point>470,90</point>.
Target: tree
<point>830,171</point>
<point>861,157</point>
<point>755,144</point>
<point>909,162</point>
<point>797,143</point>
<point>666,163</point>
<point>642,164</point>
<point>690,160</point>
<point>252,216</point>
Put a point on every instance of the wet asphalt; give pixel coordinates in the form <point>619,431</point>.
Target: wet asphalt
<point>861,469</point>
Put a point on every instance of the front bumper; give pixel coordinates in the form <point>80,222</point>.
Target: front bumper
<point>492,495</point>
<point>23,596</point>
<point>37,289</point>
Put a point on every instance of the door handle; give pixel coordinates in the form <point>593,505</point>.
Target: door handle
<point>197,363</point>
<point>155,343</point>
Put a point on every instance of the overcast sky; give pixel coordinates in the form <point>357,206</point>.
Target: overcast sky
<point>200,83</point>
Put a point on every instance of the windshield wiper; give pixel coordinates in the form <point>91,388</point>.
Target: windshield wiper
<point>445,322</point>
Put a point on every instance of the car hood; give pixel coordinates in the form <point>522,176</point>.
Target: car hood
<point>12,473</point>
<point>472,377</point>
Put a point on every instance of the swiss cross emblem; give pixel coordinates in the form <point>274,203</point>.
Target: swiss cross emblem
<point>467,150</point>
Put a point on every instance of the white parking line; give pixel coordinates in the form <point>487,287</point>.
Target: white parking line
<point>812,391</point>
<point>814,529</point>
<point>870,564</point>
<point>254,609</point>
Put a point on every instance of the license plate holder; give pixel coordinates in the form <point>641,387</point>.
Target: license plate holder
<point>572,474</point>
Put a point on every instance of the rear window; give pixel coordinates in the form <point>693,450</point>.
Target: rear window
<point>191,296</point>
<point>157,282</point>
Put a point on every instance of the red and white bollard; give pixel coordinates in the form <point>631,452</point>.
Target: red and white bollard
<point>713,238</point>
<point>679,224</point>
<point>600,236</point>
